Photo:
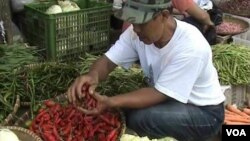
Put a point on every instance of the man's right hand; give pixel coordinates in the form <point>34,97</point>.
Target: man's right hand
<point>82,85</point>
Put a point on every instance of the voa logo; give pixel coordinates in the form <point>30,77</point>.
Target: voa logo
<point>236,132</point>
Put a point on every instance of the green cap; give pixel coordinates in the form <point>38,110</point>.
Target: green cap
<point>141,11</point>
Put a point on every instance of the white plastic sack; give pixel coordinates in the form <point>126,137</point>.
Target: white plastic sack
<point>18,5</point>
<point>2,33</point>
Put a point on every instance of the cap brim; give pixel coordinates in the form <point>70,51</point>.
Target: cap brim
<point>133,15</point>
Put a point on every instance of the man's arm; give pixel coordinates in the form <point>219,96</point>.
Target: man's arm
<point>201,15</point>
<point>101,68</point>
<point>138,99</point>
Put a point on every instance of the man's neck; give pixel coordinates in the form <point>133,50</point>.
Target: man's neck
<point>168,33</point>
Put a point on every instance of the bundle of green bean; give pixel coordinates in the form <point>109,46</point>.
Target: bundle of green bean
<point>233,63</point>
<point>43,81</point>
<point>84,63</point>
<point>13,56</point>
<point>7,98</point>
<point>122,81</point>
<point>119,81</point>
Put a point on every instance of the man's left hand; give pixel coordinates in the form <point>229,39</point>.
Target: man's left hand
<point>102,105</point>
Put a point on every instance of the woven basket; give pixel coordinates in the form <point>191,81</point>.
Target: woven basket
<point>35,66</point>
<point>9,118</point>
<point>234,7</point>
<point>62,98</point>
<point>244,25</point>
<point>22,133</point>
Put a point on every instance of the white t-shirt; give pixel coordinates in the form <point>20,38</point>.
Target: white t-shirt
<point>183,69</point>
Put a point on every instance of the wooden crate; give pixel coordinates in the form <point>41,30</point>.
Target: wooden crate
<point>239,95</point>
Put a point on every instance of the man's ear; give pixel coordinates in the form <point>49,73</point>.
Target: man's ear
<point>166,13</point>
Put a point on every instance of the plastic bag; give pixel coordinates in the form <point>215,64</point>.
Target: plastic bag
<point>216,15</point>
<point>2,33</point>
<point>18,5</point>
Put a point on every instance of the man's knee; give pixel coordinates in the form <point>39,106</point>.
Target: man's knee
<point>135,117</point>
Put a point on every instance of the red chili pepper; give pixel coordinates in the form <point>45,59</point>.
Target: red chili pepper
<point>49,137</point>
<point>49,103</point>
<point>111,135</point>
<point>54,109</point>
<point>33,126</point>
<point>101,137</point>
<point>67,129</point>
<point>108,128</point>
<point>85,133</point>
<point>41,110</point>
<point>40,115</point>
<point>118,124</point>
<point>100,130</point>
<point>46,127</point>
<point>105,119</point>
<point>114,138</point>
<point>62,123</point>
<point>71,114</point>
<point>56,133</point>
<point>46,117</point>
<point>57,121</point>
<point>112,121</point>
<point>69,138</point>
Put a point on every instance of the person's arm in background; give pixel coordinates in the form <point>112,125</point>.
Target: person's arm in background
<point>192,9</point>
<point>201,15</point>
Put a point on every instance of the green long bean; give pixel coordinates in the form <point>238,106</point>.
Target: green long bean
<point>233,63</point>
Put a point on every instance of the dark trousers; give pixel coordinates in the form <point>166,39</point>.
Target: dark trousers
<point>184,122</point>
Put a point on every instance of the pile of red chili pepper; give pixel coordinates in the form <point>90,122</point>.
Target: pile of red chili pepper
<point>57,122</point>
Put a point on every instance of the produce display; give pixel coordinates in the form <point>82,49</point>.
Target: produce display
<point>65,35</point>
<point>239,7</point>
<point>229,27</point>
<point>123,80</point>
<point>128,137</point>
<point>16,55</point>
<point>43,81</point>
<point>7,99</point>
<point>63,6</point>
<point>12,57</point>
<point>58,121</point>
<point>232,63</point>
<point>235,116</point>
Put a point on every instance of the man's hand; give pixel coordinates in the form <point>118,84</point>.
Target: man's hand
<point>206,28</point>
<point>82,85</point>
<point>102,104</point>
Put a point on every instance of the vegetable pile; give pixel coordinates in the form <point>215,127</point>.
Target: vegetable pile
<point>123,80</point>
<point>128,137</point>
<point>16,55</point>
<point>63,6</point>
<point>232,63</point>
<point>43,81</point>
<point>235,116</point>
<point>228,27</point>
<point>239,7</point>
<point>65,122</point>
<point>7,99</point>
<point>12,57</point>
